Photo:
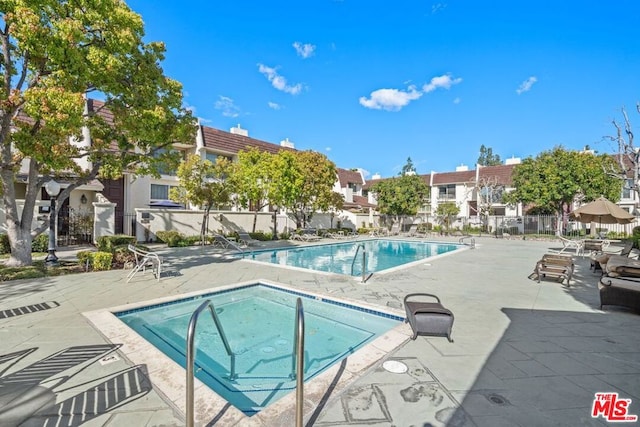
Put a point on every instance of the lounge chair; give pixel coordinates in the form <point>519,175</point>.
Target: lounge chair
<point>568,244</point>
<point>246,239</point>
<point>412,232</point>
<point>224,243</point>
<point>598,259</point>
<point>396,227</point>
<point>428,318</point>
<point>144,259</point>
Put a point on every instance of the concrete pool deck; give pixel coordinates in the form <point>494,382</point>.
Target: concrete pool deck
<point>525,353</point>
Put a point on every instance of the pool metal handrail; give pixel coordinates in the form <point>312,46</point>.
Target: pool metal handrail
<point>364,261</point>
<point>297,368</point>
<point>191,355</point>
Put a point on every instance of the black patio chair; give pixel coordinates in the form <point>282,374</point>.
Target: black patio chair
<point>428,318</point>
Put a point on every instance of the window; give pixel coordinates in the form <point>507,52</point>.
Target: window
<point>627,189</point>
<point>160,191</point>
<point>353,186</point>
<point>213,156</point>
<point>447,192</point>
<point>491,195</point>
<point>167,168</point>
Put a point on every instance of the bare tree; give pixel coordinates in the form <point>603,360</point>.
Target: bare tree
<point>628,156</point>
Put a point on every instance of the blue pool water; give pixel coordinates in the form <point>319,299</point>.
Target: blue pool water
<point>259,323</point>
<point>338,257</point>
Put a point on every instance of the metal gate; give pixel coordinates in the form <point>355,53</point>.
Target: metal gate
<point>75,227</point>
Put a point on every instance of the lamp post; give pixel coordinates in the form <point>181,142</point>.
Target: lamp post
<point>53,189</point>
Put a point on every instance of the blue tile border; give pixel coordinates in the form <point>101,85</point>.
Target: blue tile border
<point>266,285</point>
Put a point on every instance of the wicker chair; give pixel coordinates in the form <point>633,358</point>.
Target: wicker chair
<point>428,318</point>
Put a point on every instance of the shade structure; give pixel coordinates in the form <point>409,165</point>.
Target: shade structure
<point>602,211</point>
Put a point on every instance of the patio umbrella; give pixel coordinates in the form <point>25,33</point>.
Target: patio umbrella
<point>602,211</point>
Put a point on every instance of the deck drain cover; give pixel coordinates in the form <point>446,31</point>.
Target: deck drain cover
<point>395,367</point>
<point>496,399</point>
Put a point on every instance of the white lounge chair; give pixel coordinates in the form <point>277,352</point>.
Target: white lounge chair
<point>144,259</point>
<point>395,229</point>
<point>568,244</point>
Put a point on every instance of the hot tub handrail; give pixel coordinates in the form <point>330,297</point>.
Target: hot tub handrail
<point>297,368</point>
<point>364,261</point>
<point>191,354</point>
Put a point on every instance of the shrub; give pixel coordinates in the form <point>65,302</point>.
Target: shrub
<point>635,236</point>
<point>40,243</point>
<point>102,261</point>
<point>109,243</point>
<point>171,238</point>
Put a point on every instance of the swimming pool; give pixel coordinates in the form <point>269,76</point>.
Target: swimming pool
<point>258,320</point>
<point>382,255</point>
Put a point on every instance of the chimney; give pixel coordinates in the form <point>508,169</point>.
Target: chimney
<point>239,131</point>
<point>513,161</point>
<point>376,176</point>
<point>462,168</point>
<point>286,143</point>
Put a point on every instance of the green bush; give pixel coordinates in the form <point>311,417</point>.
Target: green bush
<point>40,243</point>
<point>635,236</point>
<point>102,261</point>
<point>5,248</point>
<point>97,261</point>
<point>109,243</point>
<point>84,257</point>
<point>172,238</point>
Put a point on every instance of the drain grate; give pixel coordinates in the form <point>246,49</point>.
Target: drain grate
<point>497,399</point>
<point>12,312</point>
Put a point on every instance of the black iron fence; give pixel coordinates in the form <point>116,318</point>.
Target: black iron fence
<point>75,227</point>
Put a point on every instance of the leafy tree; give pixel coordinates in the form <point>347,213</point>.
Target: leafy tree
<point>204,184</point>
<point>446,211</point>
<point>254,177</point>
<point>303,184</point>
<point>408,168</point>
<point>487,158</point>
<point>53,54</point>
<point>557,178</point>
<point>400,196</point>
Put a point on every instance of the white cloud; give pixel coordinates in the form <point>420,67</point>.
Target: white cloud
<point>457,100</point>
<point>390,99</point>
<point>278,81</point>
<point>396,99</point>
<point>365,173</point>
<point>525,86</point>
<point>227,106</point>
<point>327,148</point>
<point>305,50</point>
<point>274,106</point>
<point>445,81</point>
<point>438,7</point>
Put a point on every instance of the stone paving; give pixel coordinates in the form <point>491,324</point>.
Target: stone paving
<point>525,353</point>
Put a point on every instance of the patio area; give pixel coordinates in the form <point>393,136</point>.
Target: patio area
<point>525,353</point>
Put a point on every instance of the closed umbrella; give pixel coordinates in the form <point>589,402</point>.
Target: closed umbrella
<point>602,211</point>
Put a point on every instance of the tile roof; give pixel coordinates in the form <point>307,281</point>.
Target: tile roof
<point>231,143</point>
<point>358,202</point>
<point>458,177</point>
<point>502,173</point>
<point>346,176</point>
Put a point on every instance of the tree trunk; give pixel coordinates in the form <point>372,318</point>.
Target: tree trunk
<point>255,220</point>
<point>205,226</point>
<point>20,248</point>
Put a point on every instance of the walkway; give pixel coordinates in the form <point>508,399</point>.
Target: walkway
<point>524,353</point>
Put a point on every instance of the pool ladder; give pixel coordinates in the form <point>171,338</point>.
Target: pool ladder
<point>364,261</point>
<point>297,369</point>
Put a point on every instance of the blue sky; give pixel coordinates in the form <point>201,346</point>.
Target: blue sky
<point>371,83</point>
